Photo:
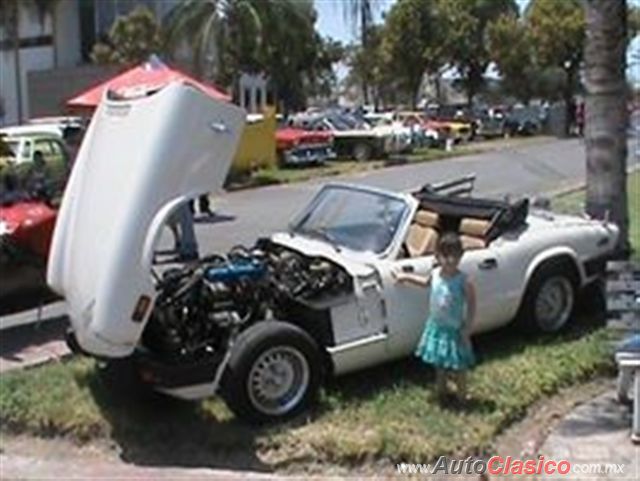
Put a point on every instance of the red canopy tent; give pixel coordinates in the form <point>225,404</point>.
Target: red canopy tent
<point>149,75</point>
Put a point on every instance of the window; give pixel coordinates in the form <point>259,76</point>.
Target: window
<point>44,146</point>
<point>56,148</point>
<point>26,150</point>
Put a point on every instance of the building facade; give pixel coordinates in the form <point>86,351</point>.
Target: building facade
<point>58,39</point>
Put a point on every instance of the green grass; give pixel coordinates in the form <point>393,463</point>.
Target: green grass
<point>287,175</point>
<point>385,414</point>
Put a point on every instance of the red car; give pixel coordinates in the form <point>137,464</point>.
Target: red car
<point>303,147</point>
<point>26,228</point>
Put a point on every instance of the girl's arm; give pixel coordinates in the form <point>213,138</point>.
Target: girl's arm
<point>470,294</point>
<point>421,281</point>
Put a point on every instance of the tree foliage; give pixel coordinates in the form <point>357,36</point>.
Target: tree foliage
<point>558,31</point>
<point>297,60</point>
<point>274,37</point>
<point>511,49</point>
<point>217,32</point>
<point>360,14</point>
<point>412,43</point>
<point>467,23</point>
<point>132,39</point>
<point>367,66</point>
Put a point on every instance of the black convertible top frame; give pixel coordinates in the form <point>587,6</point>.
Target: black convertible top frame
<point>446,198</point>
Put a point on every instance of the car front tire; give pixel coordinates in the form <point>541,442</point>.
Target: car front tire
<point>274,372</point>
<point>550,298</point>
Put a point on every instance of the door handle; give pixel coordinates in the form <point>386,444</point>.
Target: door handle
<point>408,269</point>
<point>490,263</point>
<point>219,127</point>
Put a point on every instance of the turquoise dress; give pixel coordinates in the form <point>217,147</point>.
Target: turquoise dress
<point>441,343</point>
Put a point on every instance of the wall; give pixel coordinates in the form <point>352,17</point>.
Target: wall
<point>67,38</point>
<point>8,94</point>
<point>37,53</point>
<point>49,90</point>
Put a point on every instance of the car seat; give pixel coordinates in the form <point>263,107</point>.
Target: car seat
<point>473,233</point>
<point>423,236</point>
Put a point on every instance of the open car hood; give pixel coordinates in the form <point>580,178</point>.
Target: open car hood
<point>140,160</point>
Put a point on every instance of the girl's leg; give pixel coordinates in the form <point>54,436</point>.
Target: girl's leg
<point>441,383</point>
<point>461,384</point>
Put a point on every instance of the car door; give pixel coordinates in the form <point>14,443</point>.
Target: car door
<point>406,305</point>
<point>486,269</point>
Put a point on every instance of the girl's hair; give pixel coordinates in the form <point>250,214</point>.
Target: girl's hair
<point>449,244</point>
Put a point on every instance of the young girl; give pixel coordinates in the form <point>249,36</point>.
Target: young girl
<point>445,342</point>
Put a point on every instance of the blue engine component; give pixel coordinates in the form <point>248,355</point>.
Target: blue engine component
<point>244,269</point>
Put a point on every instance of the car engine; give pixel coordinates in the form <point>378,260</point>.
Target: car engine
<point>202,307</point>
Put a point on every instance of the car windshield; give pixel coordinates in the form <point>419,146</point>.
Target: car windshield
<point>359,220</point>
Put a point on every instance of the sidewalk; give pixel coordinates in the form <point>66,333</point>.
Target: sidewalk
<point>33,344</point>
<point>595,433</point>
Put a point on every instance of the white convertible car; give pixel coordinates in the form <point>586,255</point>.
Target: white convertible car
<point>264,325</point>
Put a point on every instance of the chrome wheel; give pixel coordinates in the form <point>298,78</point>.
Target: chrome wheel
<point>554,303</point>
<point>278,380</point>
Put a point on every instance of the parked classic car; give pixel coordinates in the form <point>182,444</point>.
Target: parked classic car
<point>387,122</point>
<point>424,133</point>
<point>296,146</point>
<point>459,120</point>
<point>490,125</point>
<point>524,121</point>
<point>264,325</point>
<point>355,139</point>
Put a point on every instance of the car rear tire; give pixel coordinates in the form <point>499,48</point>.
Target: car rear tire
<point>362,152</point>
<point>550,298</point>
<point>274,372</point>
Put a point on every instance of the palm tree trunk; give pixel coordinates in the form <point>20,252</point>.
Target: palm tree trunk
<point>606,114</point>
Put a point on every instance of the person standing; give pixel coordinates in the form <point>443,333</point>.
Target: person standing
<point>446,339</point>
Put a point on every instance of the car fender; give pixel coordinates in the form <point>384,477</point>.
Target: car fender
<point>548,254</point>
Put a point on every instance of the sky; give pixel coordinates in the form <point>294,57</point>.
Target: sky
<point>332,23</point>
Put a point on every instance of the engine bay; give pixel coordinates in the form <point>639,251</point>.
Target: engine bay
<point>202,307</point>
